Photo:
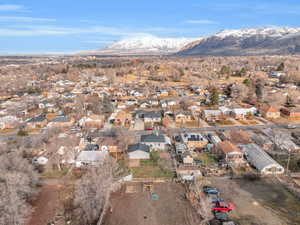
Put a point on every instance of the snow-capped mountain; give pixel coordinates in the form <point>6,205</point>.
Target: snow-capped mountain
<point>264,31</point>
<point>255,41</point>
<point>147,45</point>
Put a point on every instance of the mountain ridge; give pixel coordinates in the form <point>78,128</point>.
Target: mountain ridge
<point>253,41</point>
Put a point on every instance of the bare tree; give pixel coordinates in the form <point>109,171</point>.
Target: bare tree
<point>18,182</point>
<point>92,193</point>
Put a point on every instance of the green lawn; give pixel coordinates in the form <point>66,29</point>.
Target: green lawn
<point>207,159</point>
<point>151,172</point>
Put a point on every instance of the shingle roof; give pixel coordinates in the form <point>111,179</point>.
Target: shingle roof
<point>152,138</point>
<point>61,119</point>
<point>139,146</point>
<point>39,118</point>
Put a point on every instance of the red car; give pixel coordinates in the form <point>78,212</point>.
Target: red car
<point>223,207</point>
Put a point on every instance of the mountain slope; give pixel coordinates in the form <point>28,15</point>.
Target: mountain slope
<point>147,45</point>
<point>260,41</point>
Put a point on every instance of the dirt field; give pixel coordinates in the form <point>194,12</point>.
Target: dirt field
<point>261,202</point>
<point>139,209</point>
<point>46,204</point>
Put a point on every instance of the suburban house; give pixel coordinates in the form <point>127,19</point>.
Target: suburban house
<point>291,112</point>
<point>9,122</point>
<point>181,148</point>
<point>155,141</point>
<point>62,121</point>
<point>194,140</point>
<point>211,115</point>
<point>183,117</point>
<point>270,112</point>
<point>187,158</point>
<point>188,172</point>
<point>213,138</point>
<point>90,158</point>
<point>242,113</point>
<point>261,160</point>
<point>37,122</point>
<point>152,117</point>
<point>165,103</point>
<point>230,153</point>
<point>136,153</point>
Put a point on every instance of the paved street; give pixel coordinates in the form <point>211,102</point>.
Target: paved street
<point>204,129</point>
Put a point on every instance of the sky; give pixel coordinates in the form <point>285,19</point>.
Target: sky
<point>66,26</point>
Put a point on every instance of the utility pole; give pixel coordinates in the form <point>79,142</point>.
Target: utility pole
<point>288,162</point>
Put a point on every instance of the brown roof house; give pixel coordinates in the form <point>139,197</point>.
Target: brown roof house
<point>291,112</point>
<point>270,112</point>
<point>62,121</point>
<point>230,153</point>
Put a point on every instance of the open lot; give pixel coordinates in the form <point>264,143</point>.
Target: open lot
<point>139,209</point>
<point>260,202</point>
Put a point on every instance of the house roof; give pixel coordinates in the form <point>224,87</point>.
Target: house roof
<point>228,147</point>
<point>92,156</point>
<point>153,138</point>
<point>258,157</point>
<point>187,137</point>
<point>152,114</point>
<point>138,147</point>
<point>212,112</point>
<point>91,147</point>
<point>37,119</point>
<point>61,119</point>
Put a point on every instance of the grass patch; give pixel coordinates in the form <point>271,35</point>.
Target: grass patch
<point>225,122</point>
<point>207,159</point>
<point>151,172</point>
<point>55,173</point>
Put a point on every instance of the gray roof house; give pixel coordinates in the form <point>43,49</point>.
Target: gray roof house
<point>139,151</point>
<point>152,116</point>
<point>261,160</point>
<point>155,141</point>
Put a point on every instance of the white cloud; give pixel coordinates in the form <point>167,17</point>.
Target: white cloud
<point>56,30</point>
<point>201,22</point>
<point>24,19</point>
<point>11,7</point>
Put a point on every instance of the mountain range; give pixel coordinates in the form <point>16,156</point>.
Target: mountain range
<point>260,41</point>
<point>254,41</point>
<point>146,45</point>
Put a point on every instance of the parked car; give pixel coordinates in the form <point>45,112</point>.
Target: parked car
<point>223,207</point>
<point>290,126</point>
<point>216,199</point>
<point>221,216</point>
<point>210,190</point>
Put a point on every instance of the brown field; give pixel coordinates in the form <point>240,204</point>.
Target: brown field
<point>139,209</point>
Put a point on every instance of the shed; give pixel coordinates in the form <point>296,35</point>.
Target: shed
<point>261,160</point>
